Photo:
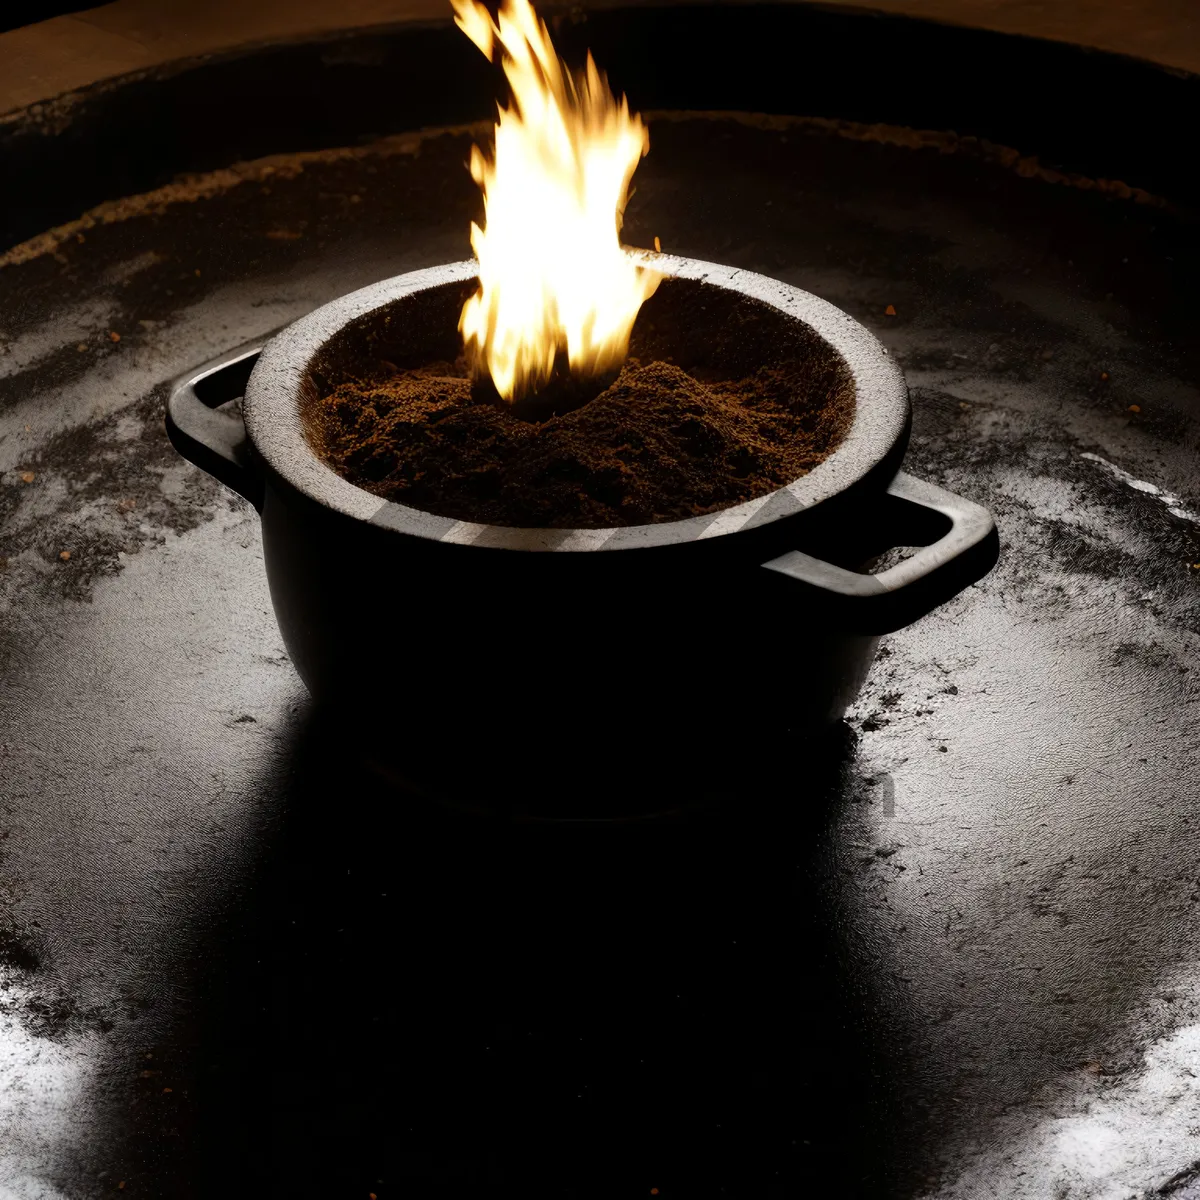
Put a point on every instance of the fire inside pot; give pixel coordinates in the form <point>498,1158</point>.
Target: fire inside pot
<point>581,394</point>
<point>722,399</point>
<point>549,326</point>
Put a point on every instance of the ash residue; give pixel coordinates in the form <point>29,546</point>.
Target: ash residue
<point>52,1014</point>
<point>1061,516</point>
<point>97,493</point>
<point>29,993</point>
<point>16,953</point>
<point>1183,1185</point>
<point>38,1001</point>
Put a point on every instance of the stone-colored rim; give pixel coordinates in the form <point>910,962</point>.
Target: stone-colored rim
<point>274,422</point>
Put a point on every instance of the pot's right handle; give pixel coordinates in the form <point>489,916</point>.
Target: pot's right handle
<point>963,554</point>
<point>206,427</point>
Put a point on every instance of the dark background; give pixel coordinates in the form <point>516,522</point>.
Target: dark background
<point>16,13</point>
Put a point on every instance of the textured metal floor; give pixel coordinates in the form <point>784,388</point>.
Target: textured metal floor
<point>957,962</point>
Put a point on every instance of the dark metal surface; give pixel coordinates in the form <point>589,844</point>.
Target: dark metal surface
<point>954,960</point>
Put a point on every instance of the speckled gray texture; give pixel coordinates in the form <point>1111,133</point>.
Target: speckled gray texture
<point>1009,858</point>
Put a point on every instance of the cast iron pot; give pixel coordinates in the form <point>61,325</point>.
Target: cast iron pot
<point>489,651</point>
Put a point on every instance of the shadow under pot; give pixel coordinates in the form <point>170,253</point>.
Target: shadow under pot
<point>500,649</point>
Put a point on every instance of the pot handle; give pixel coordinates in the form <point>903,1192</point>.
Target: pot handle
<point>962,546</point>
<point>204,421</point>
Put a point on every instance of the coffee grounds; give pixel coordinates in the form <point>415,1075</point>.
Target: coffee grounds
<point>660,444</point>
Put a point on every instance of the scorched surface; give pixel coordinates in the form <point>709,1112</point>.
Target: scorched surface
<point>935,965</point>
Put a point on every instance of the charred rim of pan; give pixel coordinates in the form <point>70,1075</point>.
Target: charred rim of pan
<point>413,315</point>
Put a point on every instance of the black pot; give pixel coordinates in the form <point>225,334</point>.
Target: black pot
<point>475,647</point>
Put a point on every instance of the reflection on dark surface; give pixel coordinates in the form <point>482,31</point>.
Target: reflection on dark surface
<point>420,1001</point>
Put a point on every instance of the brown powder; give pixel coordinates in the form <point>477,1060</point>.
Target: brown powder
<point>662,443</point>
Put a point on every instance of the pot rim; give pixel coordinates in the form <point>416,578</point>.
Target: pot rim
<point>273,420</point>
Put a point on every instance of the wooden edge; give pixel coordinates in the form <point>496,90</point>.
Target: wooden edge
<point>66,54</point>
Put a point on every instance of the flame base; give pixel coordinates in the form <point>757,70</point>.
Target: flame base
<point>562,393</point>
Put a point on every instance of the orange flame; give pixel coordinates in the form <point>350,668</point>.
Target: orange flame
<point>553,276</point>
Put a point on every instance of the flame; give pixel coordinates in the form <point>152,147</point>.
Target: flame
<point>553,276</point>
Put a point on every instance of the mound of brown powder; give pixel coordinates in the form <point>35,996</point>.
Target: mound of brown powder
<point>658,445</point>
<point>722,399</point>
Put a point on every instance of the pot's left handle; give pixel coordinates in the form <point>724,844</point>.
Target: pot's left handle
<point>958,547</point>
<point>204,421</point>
